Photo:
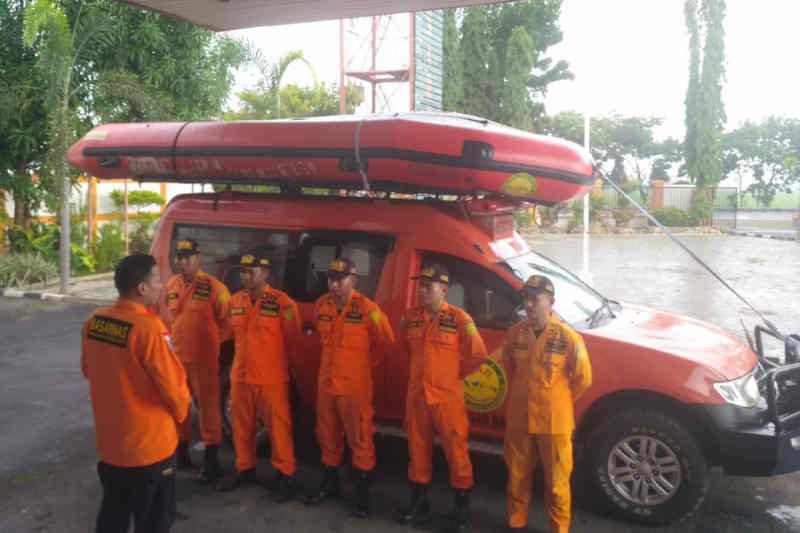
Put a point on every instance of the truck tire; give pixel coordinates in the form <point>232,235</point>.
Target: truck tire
<point>645,466</point>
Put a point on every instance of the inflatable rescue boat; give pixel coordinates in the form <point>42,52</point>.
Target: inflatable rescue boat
<point>412,153</point>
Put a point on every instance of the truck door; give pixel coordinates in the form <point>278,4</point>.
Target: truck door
<point>306,281</point>
<point>492,303</point>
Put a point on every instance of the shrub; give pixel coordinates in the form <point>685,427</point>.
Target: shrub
<point>39,239</point>
<point>20,269</point>
<point>137,199</point>
<point>142,237</point>
<point>621,217</point>
<point>596,204</point>
<point>701,209</point>
<point>672,216</point>
<point>108,247</point>
<point>522,218</point>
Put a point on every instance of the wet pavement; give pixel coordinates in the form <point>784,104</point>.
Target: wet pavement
<point>48,480</point>
<point>652,270</point>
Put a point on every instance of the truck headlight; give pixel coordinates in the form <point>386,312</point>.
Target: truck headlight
<point>741,391</point>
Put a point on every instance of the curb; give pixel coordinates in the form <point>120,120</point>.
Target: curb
<point>761,235</point>
<point>52,296</point>
<point>54,282</point>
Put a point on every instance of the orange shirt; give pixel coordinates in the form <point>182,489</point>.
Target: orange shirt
<point>442,352</point>
<point>548,374</point>
<point>137,385</point>
<point>262,330</point>
<point>347,337</point>
<point>198,316</point>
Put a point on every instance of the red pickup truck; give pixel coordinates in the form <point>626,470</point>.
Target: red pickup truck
<point>671,396</point>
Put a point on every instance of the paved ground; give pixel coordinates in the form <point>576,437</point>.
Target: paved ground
<point>49,484</point>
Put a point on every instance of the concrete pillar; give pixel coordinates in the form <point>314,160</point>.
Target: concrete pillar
<point>92,208</point>
<point>656,194</point>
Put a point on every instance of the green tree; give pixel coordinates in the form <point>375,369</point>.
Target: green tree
<point>482,53</point>
<point>157,68</point>
<point>22,137</point>
<point>101,60</point>
<point>667,154</point>
<point>626,144</point>
<point>515,102</point>
<point>61,48</point>
<point>476,54</point>
<point>705,112</point>
<point>711,115</point>
<point>693,89</point>
<point>768,152</point>
<point>268,100</point>
<point>453,82</point>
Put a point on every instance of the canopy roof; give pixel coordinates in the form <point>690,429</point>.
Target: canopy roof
<point>223,15</point>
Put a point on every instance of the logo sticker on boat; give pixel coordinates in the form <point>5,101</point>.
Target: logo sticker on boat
<point>519,184</point>
<point>485,389</point>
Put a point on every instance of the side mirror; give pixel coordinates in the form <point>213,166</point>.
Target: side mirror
<point>519,314</point>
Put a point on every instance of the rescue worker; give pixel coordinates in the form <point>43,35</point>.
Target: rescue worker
<point>197,304</point>
<point>139,396</point>
<point>549,370</point>
<point>265,323</point>
<point>444,346</point>
<point>350,325</point>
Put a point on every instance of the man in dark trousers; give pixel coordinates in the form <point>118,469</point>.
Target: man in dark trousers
<point>139,397</point>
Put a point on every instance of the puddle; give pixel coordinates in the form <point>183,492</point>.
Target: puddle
<point>787,516</point>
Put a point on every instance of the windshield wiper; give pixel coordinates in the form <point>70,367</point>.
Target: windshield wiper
<point>599,311</point>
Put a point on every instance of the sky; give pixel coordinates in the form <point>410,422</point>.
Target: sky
<point>628,57</point>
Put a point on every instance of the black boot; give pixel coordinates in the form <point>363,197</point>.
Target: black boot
<point>209,473</point>
<point>236,480</point>
<point>418,511</point>
<point>285,488</point>
<point>460,516</point>
<point>361,506</point>
<point>183,459</point>
<point>329,488</point>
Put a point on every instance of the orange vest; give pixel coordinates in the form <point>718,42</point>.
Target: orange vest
<point>198,316</point>
<point>137,384</point>
<point>442,352</point>
<point>548,374</point>
<point>347,338</point>
<point>262,331</point>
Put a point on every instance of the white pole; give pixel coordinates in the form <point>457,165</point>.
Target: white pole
<point>125,219</point>
<point>585,274</point>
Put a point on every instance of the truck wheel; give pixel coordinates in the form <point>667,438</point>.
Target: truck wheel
<point>646,467</point>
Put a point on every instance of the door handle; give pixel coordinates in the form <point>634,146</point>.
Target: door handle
<point>308,328</point>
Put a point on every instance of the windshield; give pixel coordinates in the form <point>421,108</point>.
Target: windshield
<point>576,302</point>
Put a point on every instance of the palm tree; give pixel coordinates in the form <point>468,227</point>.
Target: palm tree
<point>61,49</point>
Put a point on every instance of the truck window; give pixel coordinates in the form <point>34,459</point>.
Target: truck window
<point>488,299</point>
<point>307,276</point>
<point>575,301</point>
<point>222,247</point>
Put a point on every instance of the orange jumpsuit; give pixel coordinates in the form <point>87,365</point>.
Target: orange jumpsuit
<point>198,316</point>
<point>137,385</point>
<point>263,331</point>
<point>442,352</point>
<point>548,373</point>
<point>344,395</point>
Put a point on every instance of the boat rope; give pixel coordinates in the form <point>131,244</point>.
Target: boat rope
<point>174,147</point>
<point>364,180</point>
<point>694,256</point>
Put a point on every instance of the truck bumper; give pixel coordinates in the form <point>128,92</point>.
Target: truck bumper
<point>750,446</point>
